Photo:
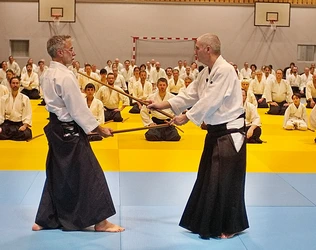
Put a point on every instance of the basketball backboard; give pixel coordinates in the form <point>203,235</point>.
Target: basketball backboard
<point>65,10</point>
<point>276,13</point>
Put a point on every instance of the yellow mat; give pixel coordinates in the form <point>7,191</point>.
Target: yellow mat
<point>285,151</point>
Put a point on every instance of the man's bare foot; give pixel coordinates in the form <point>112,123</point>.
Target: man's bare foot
<point>36,227</point>
<point>227,236</point>
<point>106,226</point>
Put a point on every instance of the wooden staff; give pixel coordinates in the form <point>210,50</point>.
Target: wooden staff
<point>141,128</point>
<point>123,93</point>
<point>34,137</point>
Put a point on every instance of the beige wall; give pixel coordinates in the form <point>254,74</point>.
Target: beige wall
<point>103,31</point>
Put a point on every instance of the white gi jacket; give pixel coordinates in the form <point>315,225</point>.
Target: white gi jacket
<point>142,92</point>
<point>175,87</point>
<point>111,98</point>
<point>63,97</point>
<point>256,87</point>
<point>16,109</point>
<point>278,92</point>
<point>83,81</point>
<point>144,112</point>
<point>215,97</point>
<point>310,90</point>
<point>294,113</point>
<point>26,81</point>
<point>97,110</point>
<point>155,75</point>
<point>3,90</point>
<point>252,116</point>
<point>14,67</point>
<point>312,118</point>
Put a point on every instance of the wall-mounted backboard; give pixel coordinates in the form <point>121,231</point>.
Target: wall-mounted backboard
<point>277,13</point>
<point>65,10</point>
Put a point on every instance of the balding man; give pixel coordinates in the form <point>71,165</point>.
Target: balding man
<point>216,207</point>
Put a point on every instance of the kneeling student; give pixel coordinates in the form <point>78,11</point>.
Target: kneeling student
<point>159,134</point>
<point>15,114</point>
<point>295,116</point>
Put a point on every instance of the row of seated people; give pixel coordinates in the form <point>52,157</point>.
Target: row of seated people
<point>174,80</point>
<point>29,79</point>
<point>16,113</point>
<point>275,92</point>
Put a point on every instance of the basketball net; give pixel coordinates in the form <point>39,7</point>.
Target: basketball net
<point>56,20</point>
<point>273,25</point>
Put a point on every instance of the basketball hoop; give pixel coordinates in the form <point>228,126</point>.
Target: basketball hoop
<point>273,25</point>
<point>56,19</point>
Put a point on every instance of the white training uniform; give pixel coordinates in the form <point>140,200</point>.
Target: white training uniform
<point>3,90</point>
<point>245,73</point>
<point>127,74</point>
<point>295,81</point>
<point>111,98</point>
<point>155,75</point>
<point>16,109</point>
<point>305,79</point>
<point>295,118</point>
<point>3,75</point>
<point>34,67</point>
<point>131,82</point>
<point>312,118</point>
<point>63,97</point>
<point>142,92</point>
<point>83,81</point>
<point>120,82</point>
<point>14,67</point>
<point>213,99</point>
<point>144,112</point>
<point>252,116</point>
<point>26,80</point>
<point>278,92</point>
<point>6,83</point>
<point>252,99</point>
<point>310,90</point>
<point>256,87</point>
<point>174,87</point>
<point>97,110</point>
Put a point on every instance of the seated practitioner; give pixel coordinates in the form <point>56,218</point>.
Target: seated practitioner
<point>159,134</point>
<point>15,114</point>
<point>256,87</point>
<point>295,116</point>
<point>96,107</point>
<point>175,84</point>
<point>30,83</point>
<point>141,90</point>
<point>6,82</point>
<point>312,120</point>
<point>278,94</point>
<point>311,92</point>
<point>111,100</point>
<point>83,81</point>
<point>250,96</point>
<point>130,86</point>
<point>3,90</point>
<point>252,120</point>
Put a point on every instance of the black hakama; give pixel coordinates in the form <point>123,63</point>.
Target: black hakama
<point>216,204</point>
<point>10,131</point>
<point>162,134</point>
<point>76,194</point>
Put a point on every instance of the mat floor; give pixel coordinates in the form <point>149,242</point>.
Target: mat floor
<point>150,183</point>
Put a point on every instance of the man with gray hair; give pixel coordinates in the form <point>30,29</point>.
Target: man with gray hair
<point>75,194</point>
<point>216,207</point>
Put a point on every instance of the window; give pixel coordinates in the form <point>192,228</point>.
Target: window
<point>306,53</point>
<point>19,48</point>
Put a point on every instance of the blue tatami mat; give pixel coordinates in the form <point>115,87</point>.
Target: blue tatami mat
<point>281,210</point>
